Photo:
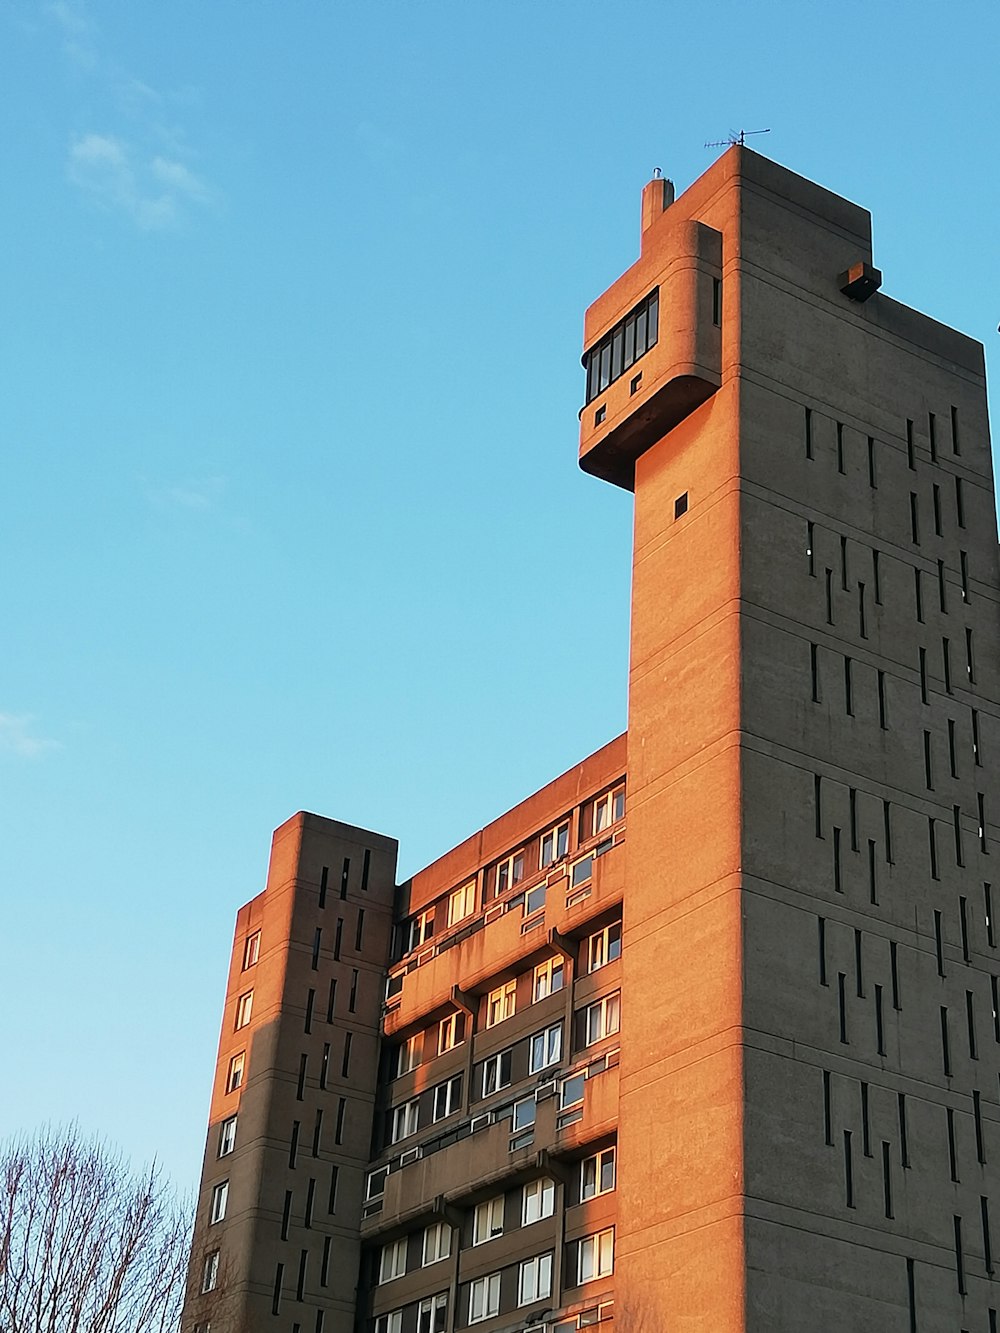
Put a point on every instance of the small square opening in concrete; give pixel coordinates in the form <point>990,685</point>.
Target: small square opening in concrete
<point>681,505</point>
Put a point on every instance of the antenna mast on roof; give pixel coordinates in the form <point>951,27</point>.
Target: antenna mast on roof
<point>735,138</point>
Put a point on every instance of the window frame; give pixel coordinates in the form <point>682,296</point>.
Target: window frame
<point>597,1240</point>
<point>244,1010</point>
<point>558,834</point>
<point>461,903</point>
<point>599,1163</point>
<point>510,870</point>
<point>389,1261</point>
<point>496,1062</point>
<point>236,1072</point>
<point>544,1188</point>
<point>550,1037</point>
<point>218,1202</point>
<point>487,1210</point>
<point>501,1003</point>
<point>251,951</point>
<point>227,1136</point>
<point>452,1088</point>
<point>420,929</point>
<point>449,1025</point>
<point>603,1007</point>
<point>401,1115</point>
<point>539,1266</point>
<point>431,1306</point>
<point>443,1230</point>
<point>409,1054</point>
<point>600,946</point>
<point>545,972</point>
<point>517,1123</point>
<point>488,1288</point>
<point>210,1271</point>
<point>392,1322</point>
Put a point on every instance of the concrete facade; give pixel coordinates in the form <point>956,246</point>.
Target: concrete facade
<point>729,1060</point>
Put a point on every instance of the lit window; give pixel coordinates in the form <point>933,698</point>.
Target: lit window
<point>622,346</point>
<point>484,1298</point>
<point>251,950</point>
<point>451,1032</point>
<point>220,1197</point>
<point>608,809</point>
<point>500,1004</point>
<point>447,1097</point>
<point>227,1136</point>
<point>597,1174</point>
<point>524,1114</point>
<point>534,1279</point>
<point>234,1076</point>
<point>462,903</point>
<point>555,844</point>
<point>437,1243</point>
<point>496,1072</point>
<point>432,1317</point>
<point>509,872</point>
<point>420,930</point>
<point>548,978</point>
<point>210,1271</point>
<point>546,1048</point>
<point>572,1091</point>
<point>534,899</point>
<point>244,1007</point>
<point>538,1201</point>
<point>393,1261</point>
<point>605,946</point>
<point>595,1256</point>
<point>487,1221</point>
<point>409,1054</point>
<point>603,1019</point>
<point>405,1119</point>
<point>390,1323</point>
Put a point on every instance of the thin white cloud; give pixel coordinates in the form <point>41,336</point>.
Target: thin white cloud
<point>17,737</point>
<point>77,32</point>
<point>195,493</point>
<point>154,192</point>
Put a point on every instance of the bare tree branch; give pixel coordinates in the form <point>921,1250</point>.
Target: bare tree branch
<point>87,1245</point>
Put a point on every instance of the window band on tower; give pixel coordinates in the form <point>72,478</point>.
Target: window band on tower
<point>622,347</point>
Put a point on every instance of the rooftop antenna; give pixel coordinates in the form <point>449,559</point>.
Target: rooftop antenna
<point>735,138</point>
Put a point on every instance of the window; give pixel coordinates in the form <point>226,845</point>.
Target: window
<point>608,809</point>
<point>603,1018</point>
<point>484,1298</point>
<point>462,903</point>
<point>405,1119</point>
<point>500,1003</point>
<point>548,978</point>
<point>227,1136</point>
<point>572,1091</point>
<point>220,1197</point>
<point>393,1261</point>
<point>437,1243</point>
<point>622,346</point>
<point>595,1256</point>
<point>534,899</point>
<point>421,928</point>
<point>451,1032</point>
<point>409,1054</point>
<point>534,1279</point>
<point>251,950</point>
<point>509,872</point>
<point>210,1271</point>
<point>234,1076</point>
<point>496,1073</point>
<point>447,1097</point>
<point>581,871</point>
<point>432,1316</point>
<point>555,844</point>
<point>605,946</point>
<point>546,1048</point>
<point>524,1114</point>
<point>244,1008</point>
<point>376,1183</point>
<point>390,1323</point>
<point>487,1221</point>
<point>538,1201</point>
<point>597,1174</point>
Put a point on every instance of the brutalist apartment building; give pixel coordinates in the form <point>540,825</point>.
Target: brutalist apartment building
<point>704,1035</point>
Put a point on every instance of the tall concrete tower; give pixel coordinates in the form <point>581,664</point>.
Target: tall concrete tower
<point>808,1115</point>
<point>704,1035</point>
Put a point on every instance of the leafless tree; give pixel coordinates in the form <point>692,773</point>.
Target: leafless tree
<point>87,1244</point>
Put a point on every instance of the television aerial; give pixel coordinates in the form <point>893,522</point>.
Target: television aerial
<point>735,138</point>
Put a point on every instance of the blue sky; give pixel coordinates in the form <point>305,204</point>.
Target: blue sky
<point>292,300</point>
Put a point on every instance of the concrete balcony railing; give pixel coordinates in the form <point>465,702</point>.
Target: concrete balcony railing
<point>597,1115</point>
